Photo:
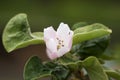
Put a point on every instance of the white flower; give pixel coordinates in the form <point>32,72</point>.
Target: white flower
<point>58,43</point>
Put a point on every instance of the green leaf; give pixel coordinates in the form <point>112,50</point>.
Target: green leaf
<point>112,73</point>
<point>92,66</point>
<point>94,69</point>
<point>70,62</point>
<point>35,69</point>
<point>60,73</point>
<point>17,34</point>
<point>90,32</point>
<point>94,47</point>
<point>78,25</point>
<point>107,57</point>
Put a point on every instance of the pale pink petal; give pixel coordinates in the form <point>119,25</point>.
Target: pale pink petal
<point>51,49</point>
<point>62,51</point>
<point>68,40</point>
<point>51,45</point>
<point>69,45</point>
<point>63,30</point>
<point>51,55</point>
<point>49,33</point>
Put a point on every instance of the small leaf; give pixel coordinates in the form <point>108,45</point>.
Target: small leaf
<point>60,73</point>
<point>78,25</point>
<point>17,34</point>
<point>70,62</point>
<point>35,69</point>
<point>107,57</point>
<point>112,73</point>
<point>94,69</point>
<point>90,32</point>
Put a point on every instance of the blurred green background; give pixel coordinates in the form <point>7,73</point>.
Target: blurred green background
<point>44,13</point>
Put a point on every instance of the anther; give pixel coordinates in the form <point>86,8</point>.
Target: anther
<point>58,47</point>
<point>57,38</point>
<point>69,33</point>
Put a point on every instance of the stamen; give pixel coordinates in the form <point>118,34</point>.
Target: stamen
<point>60,43</point>
<point>57,38</point>
<point>58,47</point>
<point>69,33</point>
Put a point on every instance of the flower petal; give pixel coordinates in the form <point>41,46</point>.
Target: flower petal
<point>51,45</point>
<point>49,33</point>
<point>51,55</point>
<point>68,40</point>
<point>63,30</point>
<point>62,51</point>
<point>51,48</point>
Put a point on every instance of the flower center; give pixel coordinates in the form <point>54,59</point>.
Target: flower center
<point>60,43</point>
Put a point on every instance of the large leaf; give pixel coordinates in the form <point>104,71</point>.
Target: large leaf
<point>35,69</point>
<point>94,47</point>
<point>94,69</point>
<point>17,34</point>
<point>90,32</point>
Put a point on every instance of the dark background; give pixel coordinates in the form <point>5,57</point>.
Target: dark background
<point>44,13</point>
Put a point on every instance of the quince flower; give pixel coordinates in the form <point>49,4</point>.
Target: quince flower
<point>58,42</point>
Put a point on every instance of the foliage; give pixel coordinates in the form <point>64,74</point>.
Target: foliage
<point>17,34</point>
<point>89,44</point>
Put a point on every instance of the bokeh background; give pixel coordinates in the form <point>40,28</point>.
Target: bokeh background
<point>44,13</point>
